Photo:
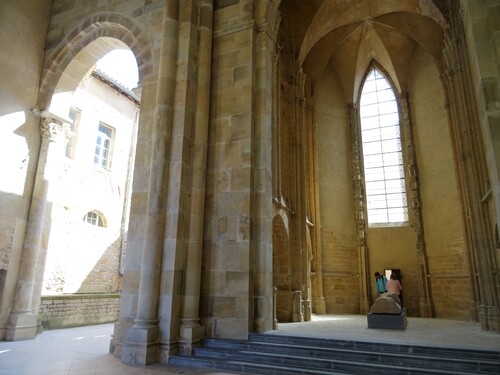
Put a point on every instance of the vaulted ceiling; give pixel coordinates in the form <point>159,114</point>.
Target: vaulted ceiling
<point>349,34</point>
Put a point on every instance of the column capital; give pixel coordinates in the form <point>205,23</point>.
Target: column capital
<point>52,128</point>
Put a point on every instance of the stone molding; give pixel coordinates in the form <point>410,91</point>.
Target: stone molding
<point>415,206</point>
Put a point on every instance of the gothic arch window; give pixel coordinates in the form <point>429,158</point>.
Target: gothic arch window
<point>94,218</point>
<point>385,191</point>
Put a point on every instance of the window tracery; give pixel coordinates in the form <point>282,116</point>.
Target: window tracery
<point>383,165</point>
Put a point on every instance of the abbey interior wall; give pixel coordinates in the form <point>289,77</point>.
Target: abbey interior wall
<point>441,202</point>
<point>23,32</point>
<point>338,235</point>
<point>390,248</point>
<point>226,259</point>
<point>228,279</point>
<point>482,29</point>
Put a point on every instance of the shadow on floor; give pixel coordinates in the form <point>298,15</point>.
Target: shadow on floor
<point>84,350</point>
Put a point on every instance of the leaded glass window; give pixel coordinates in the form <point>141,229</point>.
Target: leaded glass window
<point>382,152</point>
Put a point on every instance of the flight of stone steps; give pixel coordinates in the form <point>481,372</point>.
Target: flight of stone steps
<point>286,355</point>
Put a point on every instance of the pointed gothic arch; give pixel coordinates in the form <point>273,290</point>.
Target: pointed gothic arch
<point>382,152</point>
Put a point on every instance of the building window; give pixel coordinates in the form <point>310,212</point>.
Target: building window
<point>74,115</point>
<point>102,155</point>
<point>94,218</point>
<point>382,152</point>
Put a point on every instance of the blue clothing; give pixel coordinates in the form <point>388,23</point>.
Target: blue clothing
<point>380,284</point>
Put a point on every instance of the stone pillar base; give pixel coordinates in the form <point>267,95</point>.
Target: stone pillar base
<point>489,318</point>
<point>425,308</point>
<point>190,336</point>
<point>319,306</point>
<point>483,317</point>
<point>119,335</point>
<point>307,310</point>
<point>297,307</point>
<point>141,346</point>
<point>474,311</point>
<point>365,304</point>
<point>22,327</point>
<point>493,319</point>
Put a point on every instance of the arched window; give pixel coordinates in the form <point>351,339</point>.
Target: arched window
<point>382,152</point>
<point>94,218</point>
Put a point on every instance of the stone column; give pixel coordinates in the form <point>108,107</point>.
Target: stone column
<point>297,306</point>
<point>261,191</point>
<point>473,174</point>
<point>191,331</point>
<point>308,299</point>
<point>141,346</point>
<point>302,197</point>
<point>359,207</point>
<point>23,323</point>
<point>316,271</point>
<point>415,208</point>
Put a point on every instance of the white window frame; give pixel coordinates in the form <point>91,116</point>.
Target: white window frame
<point>381,144</point>
<point>104,146</point>
<point>94,218</point>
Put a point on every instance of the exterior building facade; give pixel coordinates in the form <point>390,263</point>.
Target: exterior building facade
<point>90,205</point>
<point>286,150</point>
<point>92,197</point>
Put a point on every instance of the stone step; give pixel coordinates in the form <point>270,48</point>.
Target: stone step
<point>246,367</point>
<point>324,357</point>
<point>259,366</point>
<point>371,346</point>
<point>276,354</point>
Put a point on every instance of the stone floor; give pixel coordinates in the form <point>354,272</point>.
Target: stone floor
<point>424,331</point>
<point>84,350</point>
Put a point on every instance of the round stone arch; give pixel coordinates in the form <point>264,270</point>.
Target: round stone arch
<point>71,60</point>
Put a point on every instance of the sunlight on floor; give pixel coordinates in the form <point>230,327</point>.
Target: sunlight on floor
<point>324,318</point>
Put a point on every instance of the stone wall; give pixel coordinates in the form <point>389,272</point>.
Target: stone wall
<point>225,308</point>
<point>338,241</point>
<point>23,32</point>
<point>443,225</point>
<point>451,290</point>
<point>482,29</point>
<point>233,215</point>
<point>78,310</point>
<point>281,256</point>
